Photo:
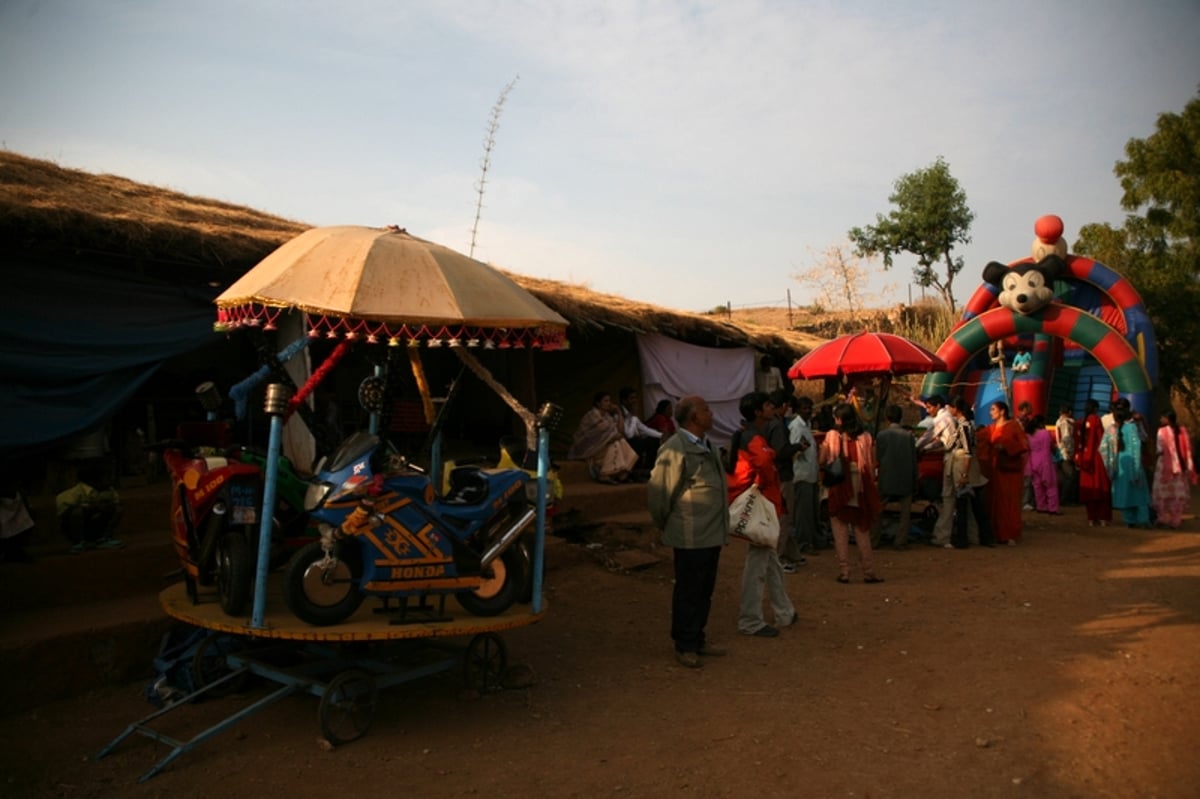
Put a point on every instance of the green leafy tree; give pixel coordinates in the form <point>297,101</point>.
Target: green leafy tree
<point>930,218</point>
<point>1158,248</point>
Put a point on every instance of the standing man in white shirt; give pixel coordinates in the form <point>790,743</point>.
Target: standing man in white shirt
<point>942,438</point>
<point>806,490</point>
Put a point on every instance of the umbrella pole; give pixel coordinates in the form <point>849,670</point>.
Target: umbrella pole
<point>482,372</point>
<point>418,370</point>
<point>373,421</point>
<point>885,384</point>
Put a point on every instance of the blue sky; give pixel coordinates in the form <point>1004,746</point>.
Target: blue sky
<point>688,154</point>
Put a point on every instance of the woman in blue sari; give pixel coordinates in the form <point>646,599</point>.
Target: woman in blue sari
<point>1121,450</point>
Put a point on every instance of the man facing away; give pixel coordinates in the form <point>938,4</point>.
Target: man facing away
<point>806,491</point>
<point>777,434</point>
<point>687,500</point>
<point>943,438</point>
<point>1064,438</point>
<point>1025,417</point>
<point>896,451</point>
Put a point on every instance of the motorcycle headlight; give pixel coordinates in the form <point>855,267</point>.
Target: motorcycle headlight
<point>315,494</point>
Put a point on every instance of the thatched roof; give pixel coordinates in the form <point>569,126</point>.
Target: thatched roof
<point>47,208</point>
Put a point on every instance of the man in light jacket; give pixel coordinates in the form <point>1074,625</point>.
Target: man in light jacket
<point>687,500</point>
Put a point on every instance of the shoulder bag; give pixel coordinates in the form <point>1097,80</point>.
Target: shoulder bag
<point>752,517</point>
<point>834,471</point>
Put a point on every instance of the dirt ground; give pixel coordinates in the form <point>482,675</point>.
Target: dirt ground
<point>1068,666</point>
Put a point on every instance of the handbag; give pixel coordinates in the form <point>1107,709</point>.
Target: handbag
<point>752,517</point>
<point>834,471</point>
<point>965,463</point>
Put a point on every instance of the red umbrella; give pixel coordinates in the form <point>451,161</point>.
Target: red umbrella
<point>866,354</point>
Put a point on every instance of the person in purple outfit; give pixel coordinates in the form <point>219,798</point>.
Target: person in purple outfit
<point>1043,472</point>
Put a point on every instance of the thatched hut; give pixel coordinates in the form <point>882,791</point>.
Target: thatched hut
<point>108,313</point>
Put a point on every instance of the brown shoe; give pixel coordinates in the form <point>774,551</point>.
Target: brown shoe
<point>689,659</point>
<point>710,651</point>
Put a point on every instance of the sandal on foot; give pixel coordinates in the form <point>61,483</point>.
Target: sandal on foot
<point>870,578</point>
<point>843,578</point>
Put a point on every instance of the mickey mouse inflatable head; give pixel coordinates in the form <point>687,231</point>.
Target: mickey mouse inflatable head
<point>1026,288</point>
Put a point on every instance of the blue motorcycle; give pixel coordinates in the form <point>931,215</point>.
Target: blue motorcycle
<point>385,533</point>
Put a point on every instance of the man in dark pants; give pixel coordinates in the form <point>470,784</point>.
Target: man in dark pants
<point>806,491</point>
<point>969,481</point>
<point>896,450</point>
<point>687,500</point>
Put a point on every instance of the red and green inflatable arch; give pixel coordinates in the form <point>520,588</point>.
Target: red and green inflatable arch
<point>1129,356</point>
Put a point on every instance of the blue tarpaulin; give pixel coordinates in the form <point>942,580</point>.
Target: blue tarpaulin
<point>75,345</point>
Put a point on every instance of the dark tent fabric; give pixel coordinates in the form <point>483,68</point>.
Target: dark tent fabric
<point>75,344</point>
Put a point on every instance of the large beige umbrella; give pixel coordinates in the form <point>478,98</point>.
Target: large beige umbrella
<point>383,281</point>
<point>382,285</point>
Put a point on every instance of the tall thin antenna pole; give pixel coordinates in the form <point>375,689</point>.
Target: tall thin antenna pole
<point>489,143</point>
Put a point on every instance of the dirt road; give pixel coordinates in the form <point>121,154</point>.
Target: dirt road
<point>1068,666</point>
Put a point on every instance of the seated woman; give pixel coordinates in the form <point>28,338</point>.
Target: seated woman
<point>600,441</point>
<point>662,420</point>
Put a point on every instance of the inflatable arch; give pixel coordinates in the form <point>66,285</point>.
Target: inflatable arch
<point>1095,309</point>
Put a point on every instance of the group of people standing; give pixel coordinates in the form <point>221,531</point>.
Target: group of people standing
<point>1117,469</point>
<point>983,471</point>
<point>986,471</point>
<point>692,486</point>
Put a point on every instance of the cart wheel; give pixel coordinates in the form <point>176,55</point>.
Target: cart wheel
<point>485,662</point>
<point>348,706</point>
<point>208,665</point>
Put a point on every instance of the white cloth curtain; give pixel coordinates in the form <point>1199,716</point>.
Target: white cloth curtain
<point>672,369</point>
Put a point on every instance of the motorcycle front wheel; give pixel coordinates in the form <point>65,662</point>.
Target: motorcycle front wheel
<point>500,587</point>
<point>322,596</point>
<point>235,572</point>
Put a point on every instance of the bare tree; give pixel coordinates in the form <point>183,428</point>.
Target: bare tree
<point>840,278</point>
<point>489,143</point>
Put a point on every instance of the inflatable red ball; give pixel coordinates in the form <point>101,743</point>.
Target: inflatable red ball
<point>1048,228</point>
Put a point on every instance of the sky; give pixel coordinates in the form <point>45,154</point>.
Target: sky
<point>686,154</point>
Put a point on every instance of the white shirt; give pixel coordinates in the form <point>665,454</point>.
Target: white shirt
<point>768,381</point>
<point>1065,428</point>
<point>944,431</point>
<point>804,462</point>
<point>634,427</point>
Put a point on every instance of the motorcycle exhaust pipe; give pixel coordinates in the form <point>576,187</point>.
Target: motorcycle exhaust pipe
<point>213,527</point>
<point>509,536</point>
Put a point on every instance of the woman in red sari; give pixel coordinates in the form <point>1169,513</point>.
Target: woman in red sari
<point>1095,489</point>
<point>1006,451</point>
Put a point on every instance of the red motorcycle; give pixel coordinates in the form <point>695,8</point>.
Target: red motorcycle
<point>216,504</point>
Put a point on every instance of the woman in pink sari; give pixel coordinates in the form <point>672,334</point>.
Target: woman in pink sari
<point>854,503</point>
<point>1174,472</point>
